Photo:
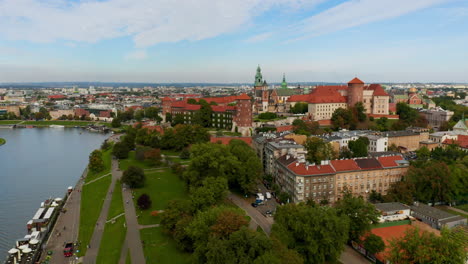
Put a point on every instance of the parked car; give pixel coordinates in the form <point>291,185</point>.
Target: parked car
<point>254,204</point>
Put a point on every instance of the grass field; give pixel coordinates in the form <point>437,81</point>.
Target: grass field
<point>63,123</point>
<point>394,223</point>
<point>9,122</point>
<point>129,258</point>
<point>162,186</point>
<point>107,158</point>
<point>131,160</point>
<point>2,141</point>
<point>92,198</point>
<point>159,248</point>
<point>170,152</point>
<point>114,232</point>
<point>463,207</point>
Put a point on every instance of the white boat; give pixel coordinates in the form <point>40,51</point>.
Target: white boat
<point>56,126</point>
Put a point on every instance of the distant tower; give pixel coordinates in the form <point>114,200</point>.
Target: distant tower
<point>258,77</point>
<point>284,84</point>
<point>355,91</point>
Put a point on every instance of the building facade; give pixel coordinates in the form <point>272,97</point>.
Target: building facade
<point>324,100</point>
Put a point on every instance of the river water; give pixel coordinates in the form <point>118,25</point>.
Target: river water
<point>37,164</point>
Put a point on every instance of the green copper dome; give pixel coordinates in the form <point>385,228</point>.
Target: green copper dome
<point>284,84</point>
<point>258,77</point>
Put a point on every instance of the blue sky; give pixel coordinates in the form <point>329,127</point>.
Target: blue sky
<point>224,40</point>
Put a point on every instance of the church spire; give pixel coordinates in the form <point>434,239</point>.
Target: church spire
<point>284,84</point>
<point>258,77</point>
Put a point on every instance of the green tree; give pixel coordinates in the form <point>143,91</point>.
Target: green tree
<point>115,122</point>
<point>359,146</point>
<point>343,118</point>
<point>300,108</point>
<point>375,197</point>
<point>96,163</point>
<point>423,153</point>
<point>152,113</point>
<point>139,115</point>
<point>318,234</point>
<point>374,244</point>
<point>134,177</point>
<point>267,116</point>
<point>361,214</point>
<point>360,112</point>
<point>318,150</point>
<point>212,191</point>
<point>120,150</point>
<point>424,247</point>
<point>251,168</point>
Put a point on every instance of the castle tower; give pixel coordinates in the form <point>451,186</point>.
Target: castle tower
<point>258,77</point>
<point>355,91</point>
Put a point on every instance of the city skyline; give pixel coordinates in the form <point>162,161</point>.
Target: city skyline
<point>183,41</point>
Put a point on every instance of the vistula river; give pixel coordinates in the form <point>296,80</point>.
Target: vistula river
<point>37,164</point>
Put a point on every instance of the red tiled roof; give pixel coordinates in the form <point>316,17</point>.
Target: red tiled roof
<point>284,128</point>
<point>57,96</point>
<point>106,114</point>
<point>378,90</point>
<point>390,161</point>
<point>218,108</point>
<point>345,165</point>
<point>192,107</point>
<point>302,169</point>
<point>299,98</point>
<point>356,81</point>
<point>325,122</point>
<point>243,97</point>
<point>166,99</point>
<point>462,141</point>
<point>226,140</point>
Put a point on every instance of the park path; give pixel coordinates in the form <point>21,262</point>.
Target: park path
<point>455,209</point>
<point>93,250</point>
<point>132,238</point>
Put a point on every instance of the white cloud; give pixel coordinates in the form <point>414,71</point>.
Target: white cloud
<point>259,37</point>
<point>355,13</point>
<point>138,54</point>
<point>148,22</point>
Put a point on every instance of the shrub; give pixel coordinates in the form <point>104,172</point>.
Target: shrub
<point>144,202</point>
<point>134,177</point>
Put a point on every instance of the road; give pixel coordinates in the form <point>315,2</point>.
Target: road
<point>349,255</point>
<point>71,221</point>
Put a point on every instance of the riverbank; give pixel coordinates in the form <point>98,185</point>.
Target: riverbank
<point>66,123</point>
<point>2,141</point>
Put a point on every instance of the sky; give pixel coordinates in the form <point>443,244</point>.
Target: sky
<point>224,40</point>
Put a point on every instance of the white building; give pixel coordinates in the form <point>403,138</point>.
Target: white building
<point>377,143</point>
<point>392,211</point>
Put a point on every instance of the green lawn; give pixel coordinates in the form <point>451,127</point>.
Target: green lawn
<point>160,248</point>
<point>92,198</point>
<point>107,158</point>
<point>463,207</point>
<point>161,187</point>
<point>2,141</point>
<point>131,160</point>
<point>128,260</point>
<point>178,160</point>
<point>170,152</point>
<point>9,122</point>
<point>114,232</point>
<point>63,123</point>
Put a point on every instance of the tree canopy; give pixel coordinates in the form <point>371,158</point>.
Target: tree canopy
<point>318,150</point>
<point>361,214</point>
<point>134,177</point>
<point>318,234</point>
<point>359,147</point>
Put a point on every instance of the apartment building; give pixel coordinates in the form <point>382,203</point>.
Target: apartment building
<point>328,180</point>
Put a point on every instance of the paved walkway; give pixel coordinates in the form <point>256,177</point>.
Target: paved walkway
<point>98,178</point>
<point>71,221</point>
<point>132,238</point>
<point>148,226</point>
<point>351,256</point>
<point>92,252</point>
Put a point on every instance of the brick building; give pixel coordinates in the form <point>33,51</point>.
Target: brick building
<point>324,100</point>
<point>228,113</point>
